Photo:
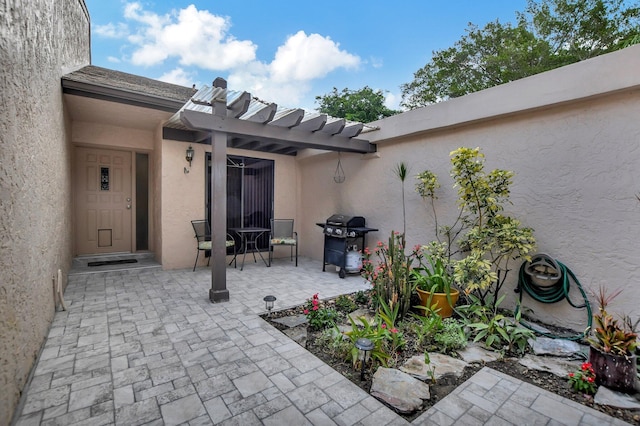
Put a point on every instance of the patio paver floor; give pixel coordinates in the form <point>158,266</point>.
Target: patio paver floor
<point>146,346</point>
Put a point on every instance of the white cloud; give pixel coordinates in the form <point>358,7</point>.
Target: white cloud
<point>376,62</point>
<point>288,94</point>
<point>288,78</point>
<point>202,40</point>
<point>113,59</point>
<point>307,57</point>
<point>392,101</point>
<point>195,37</point>
<point>111,30</point>
<point>178,76</point>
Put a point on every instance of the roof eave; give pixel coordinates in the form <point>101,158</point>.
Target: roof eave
<point>112,94</point>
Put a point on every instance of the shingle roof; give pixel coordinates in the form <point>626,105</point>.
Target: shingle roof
<point>116,84</point>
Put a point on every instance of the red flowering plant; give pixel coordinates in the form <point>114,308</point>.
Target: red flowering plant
<point>387,316</point>
<point>584,380</point>
<point>319,316</point>
<point>390,276</point>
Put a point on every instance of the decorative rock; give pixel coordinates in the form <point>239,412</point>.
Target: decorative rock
<point>298,335</point>
<point>399,390</point>
<point>476,353</point>
<point>366,313</point>
<point>292,321</point>
<point>606,396</point>
<point>444,366</point>
<point>555,347</point>
<point>558,366</point>
<point>344,328</point>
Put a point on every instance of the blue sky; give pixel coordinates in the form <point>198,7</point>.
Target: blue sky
<point>283,51</point>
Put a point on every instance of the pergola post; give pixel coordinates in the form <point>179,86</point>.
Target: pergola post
<point>261,126</point>
<point>218,209</point>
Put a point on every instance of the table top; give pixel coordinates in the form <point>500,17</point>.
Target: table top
<point>249,229</point>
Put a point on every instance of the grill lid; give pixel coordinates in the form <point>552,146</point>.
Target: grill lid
<point>346,221</point>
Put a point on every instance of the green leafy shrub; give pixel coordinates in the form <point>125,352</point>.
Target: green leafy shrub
<point>482,240</point>
<point>425,327</point>
<point>334,343</point>
<point>388,314</point>
<point>451,337</point>
<point>362,298</point>
<point>498,332</point>
<point>319,317</point>
<point>345,304</point>
<point>377,336</point>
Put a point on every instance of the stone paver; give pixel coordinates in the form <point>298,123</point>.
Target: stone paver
<point>145,346</point>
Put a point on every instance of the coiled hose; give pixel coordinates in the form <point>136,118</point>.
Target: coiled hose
<point>552,292</point>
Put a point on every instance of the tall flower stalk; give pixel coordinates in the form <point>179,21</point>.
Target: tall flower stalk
<point>401,171</point>
<point>390,273</point>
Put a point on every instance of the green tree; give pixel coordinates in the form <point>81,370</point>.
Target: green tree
<point>364,105</point>
<point>547,35</point>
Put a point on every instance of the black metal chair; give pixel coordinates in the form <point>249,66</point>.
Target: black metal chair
<point>203,236</point>
<point>282,234</point>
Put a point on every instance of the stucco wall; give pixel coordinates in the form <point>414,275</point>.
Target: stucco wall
<point>183,197</point>
<point>100,135</point>
<point>40,41</point>
<point>572,142</point>
<point>113,137</point>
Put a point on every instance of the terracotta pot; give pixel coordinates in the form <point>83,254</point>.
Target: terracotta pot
<point>440,301</point>
<point>614,371</point>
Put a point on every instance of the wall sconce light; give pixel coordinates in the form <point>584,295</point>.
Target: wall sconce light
<point>365,346</point>
<point>269,302</point>
<point>189,158</point>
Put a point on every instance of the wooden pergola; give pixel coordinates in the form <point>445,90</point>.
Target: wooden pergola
<point>252,124</point>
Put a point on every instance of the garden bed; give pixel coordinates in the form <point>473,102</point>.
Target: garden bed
<point>509,366</point>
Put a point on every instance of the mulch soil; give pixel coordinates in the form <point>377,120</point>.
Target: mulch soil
<point>443,387</point>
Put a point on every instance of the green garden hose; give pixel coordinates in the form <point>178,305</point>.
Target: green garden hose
<point>559,279</point>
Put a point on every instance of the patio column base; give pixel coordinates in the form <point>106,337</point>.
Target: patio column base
<point>218,295</point>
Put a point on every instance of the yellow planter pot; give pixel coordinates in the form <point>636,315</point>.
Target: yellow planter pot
<point>444,309</point>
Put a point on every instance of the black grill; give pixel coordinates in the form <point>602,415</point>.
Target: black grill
<point>342,232</point>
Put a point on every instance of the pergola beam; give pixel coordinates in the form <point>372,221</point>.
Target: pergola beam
<point>257,131</point>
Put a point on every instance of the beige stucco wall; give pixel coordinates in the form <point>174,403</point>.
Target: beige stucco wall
<point>183,198</point>
<point>112,137</point>
<point>109,136</point>
<point>39,42</point>
<point>571,137</point>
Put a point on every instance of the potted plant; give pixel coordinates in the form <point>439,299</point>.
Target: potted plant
<point>612,348</point>
<point>433,280</point>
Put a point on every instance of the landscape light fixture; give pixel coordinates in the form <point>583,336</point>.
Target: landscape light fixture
<point>269,302</point>
<point>365,346</point>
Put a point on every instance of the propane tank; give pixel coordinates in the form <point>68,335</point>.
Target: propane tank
<point>354,260</point>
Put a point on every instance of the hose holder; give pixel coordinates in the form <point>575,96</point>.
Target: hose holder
<point>548,280</point>
<point>543,270</point>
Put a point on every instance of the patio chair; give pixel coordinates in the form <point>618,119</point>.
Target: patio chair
<point>203,236</point>
<point>282,234</point>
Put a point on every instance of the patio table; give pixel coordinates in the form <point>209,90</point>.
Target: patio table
<point>249,237</point>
